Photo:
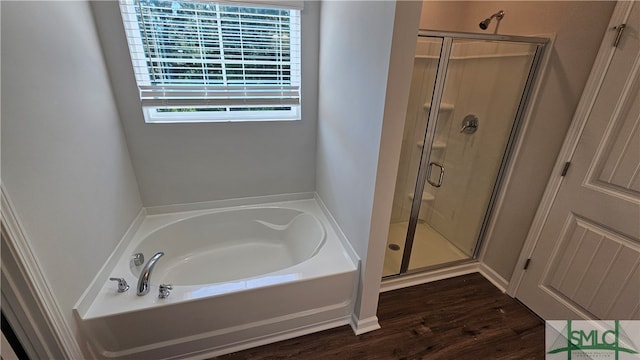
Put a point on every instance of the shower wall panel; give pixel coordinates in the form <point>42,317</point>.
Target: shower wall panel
<point>488,85</point>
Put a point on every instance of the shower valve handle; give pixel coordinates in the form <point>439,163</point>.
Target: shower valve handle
<point>469,124</point>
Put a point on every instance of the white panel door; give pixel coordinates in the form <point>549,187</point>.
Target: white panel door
<point>586,262</point>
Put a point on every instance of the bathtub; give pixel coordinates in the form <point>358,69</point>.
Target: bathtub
<point>241,276</point>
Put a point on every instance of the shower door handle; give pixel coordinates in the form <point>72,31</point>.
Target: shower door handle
<point>439,183</point>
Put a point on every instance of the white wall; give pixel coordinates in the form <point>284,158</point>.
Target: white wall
<point>579,26</point>
<point>65,163</point>
<point>183,163</point>
<point>359,89</point>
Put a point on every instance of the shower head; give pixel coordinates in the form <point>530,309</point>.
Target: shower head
<point>485,23</point>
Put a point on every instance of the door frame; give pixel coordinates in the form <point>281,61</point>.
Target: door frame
<point>591,90</point>
<point>27,299</point>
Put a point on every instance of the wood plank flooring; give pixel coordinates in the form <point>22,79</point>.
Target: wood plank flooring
<point>459,318</point>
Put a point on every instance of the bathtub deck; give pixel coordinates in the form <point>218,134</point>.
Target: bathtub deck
<point>459,318</point>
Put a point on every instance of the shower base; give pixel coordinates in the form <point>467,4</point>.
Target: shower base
<point>429,248</point>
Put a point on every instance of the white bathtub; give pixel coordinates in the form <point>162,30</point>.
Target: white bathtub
<point>241,277</point>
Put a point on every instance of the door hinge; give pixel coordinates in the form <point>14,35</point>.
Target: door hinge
<point>526,263</point>
<point>565,168</point>
<point>620,29</point>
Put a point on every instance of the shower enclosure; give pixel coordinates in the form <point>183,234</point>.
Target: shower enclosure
<point>468,93</point>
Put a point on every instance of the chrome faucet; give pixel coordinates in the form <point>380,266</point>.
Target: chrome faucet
<point>145,275</point>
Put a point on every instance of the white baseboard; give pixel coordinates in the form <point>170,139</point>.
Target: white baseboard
<point>365,325</point>
<point>440,274</point>
<point>427,277</point>
<point>495,278</point>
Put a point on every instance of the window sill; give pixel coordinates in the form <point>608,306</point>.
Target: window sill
<point>151,116</point>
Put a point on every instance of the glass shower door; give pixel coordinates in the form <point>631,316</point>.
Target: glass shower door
<point>471,118</point>
<point>423,79</point>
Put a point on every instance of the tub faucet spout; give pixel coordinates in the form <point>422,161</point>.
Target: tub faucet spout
<point>145,275</point>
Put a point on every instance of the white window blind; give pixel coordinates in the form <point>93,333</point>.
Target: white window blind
<point>202,61</point>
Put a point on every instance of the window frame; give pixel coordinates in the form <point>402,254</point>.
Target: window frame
<point>151,113</point>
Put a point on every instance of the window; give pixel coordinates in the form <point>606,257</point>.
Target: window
<point>208,61</point>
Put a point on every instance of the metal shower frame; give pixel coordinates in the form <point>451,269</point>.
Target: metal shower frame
<point>438,90</point>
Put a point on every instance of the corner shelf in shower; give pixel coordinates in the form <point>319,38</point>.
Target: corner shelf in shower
<point>438,144</point>
<point>443,106</point>
<point>425,197</point>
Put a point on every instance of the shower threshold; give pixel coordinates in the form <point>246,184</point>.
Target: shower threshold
<point>430,248</point>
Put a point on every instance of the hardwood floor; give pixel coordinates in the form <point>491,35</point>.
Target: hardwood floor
<point>460,318</point>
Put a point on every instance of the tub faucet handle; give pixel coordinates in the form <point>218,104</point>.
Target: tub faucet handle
<point>165,290</point>
<point>138,259</point>
<point>122,284</point>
